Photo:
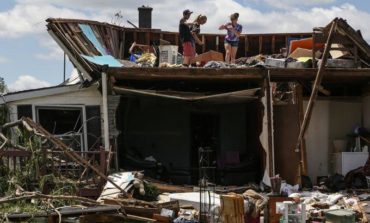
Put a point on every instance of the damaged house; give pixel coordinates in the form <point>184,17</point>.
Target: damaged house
<point>246,118</point>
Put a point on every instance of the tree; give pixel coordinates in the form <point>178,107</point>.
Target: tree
<point>3,88</point>
<point>4,111</point>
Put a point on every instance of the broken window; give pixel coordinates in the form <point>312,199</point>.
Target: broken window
<point>65,123</point>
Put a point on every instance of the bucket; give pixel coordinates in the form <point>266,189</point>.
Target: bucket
<point>168,54</point>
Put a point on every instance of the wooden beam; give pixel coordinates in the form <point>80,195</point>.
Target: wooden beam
<point>204,44</point>
<point>193,73</point>
<point>217,43</point>
<point>299,101</point>
<point>177,39</point>
<point>270,130</point>
<point>135,36</point>
<point>260,42</point>
<point>313,50</point>
<point>287,43</point>
<point>319,76</point>
<point>147,38</point>
<point>246,45</point>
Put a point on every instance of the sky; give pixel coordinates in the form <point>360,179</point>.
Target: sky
<point>29,57</point>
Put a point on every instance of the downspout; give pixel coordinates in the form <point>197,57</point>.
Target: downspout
<point>105,110</point>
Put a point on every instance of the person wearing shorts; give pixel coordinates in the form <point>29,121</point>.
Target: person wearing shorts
<point>234,30</point>
<point>186,38</point>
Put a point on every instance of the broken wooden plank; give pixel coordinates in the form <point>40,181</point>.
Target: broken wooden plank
<point>319,76</point>
<point>71,154</point>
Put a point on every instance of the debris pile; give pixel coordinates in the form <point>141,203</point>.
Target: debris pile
<point>45,174</point>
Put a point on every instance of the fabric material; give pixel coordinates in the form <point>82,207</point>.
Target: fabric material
<point>230,34</point>
<point>232,43</point>
<point>184,32</point>
<point>90,35</point>
<point>188,49</point>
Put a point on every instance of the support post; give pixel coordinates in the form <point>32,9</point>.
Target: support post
<point>315,89</point>
<point>64,67</point>
<point>269,105</point>
<point>104,80</point>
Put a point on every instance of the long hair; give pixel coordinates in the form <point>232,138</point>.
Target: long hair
<point>200,18</point>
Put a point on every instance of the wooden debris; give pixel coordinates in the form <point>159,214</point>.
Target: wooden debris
<point>162,188</point>
<point>31,195</point>
<point>232,208</point>
<point>315,89</point>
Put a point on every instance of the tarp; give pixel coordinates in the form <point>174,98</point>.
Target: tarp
<point>103,60</point>
<point>90,35</point>
<point>228,97</point>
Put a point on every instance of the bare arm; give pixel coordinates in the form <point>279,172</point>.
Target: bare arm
<point>222,27</point>
<point>132,47</point>
<point>235,32</point>
<point>195,36</point>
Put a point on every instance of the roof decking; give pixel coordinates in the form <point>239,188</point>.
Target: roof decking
<point>238,74</point>
<point>116,40</point>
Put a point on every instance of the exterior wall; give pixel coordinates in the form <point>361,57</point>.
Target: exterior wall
<point>331,120</point>
<point>85,96</point>
<point>80,98</point>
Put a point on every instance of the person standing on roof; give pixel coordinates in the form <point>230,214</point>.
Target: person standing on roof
<point>234,30</point>
<point>186,38</point>
<point>195,29</point>
<point>189,35</point>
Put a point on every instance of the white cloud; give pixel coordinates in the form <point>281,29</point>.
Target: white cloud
<point>3,60</point>
<point>25,82</point>
<point>26,19</point>
<point>53,51</point>
<point>285,4</point>
<point>28,16</point>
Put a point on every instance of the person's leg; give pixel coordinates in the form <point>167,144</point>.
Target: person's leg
<point>227,52</point>
<point>193,53</point>
<point>186,61</point>
<point>234,50</point>
<point>186,53</point>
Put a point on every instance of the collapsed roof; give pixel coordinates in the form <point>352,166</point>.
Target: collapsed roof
<point>91,44</point>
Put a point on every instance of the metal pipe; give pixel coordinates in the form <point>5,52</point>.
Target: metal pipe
<point>70,56</point>
<point>64,67</point>
<point>104,80</point>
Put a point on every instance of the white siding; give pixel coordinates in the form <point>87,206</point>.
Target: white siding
<point>85,96</point>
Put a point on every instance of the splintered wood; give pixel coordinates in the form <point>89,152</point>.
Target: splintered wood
<point>57,144</point>
<point>232,208</point>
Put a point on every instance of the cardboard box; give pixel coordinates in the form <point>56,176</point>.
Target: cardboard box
<point>300,52</point>
<point>209,56</point>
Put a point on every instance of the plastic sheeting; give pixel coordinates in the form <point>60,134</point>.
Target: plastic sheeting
<point>103,60</point>
<point>90,35</point>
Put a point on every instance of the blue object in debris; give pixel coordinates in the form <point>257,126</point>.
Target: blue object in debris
<point>90,35</point>
<point>134,57</point>
<point>103,60</point>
